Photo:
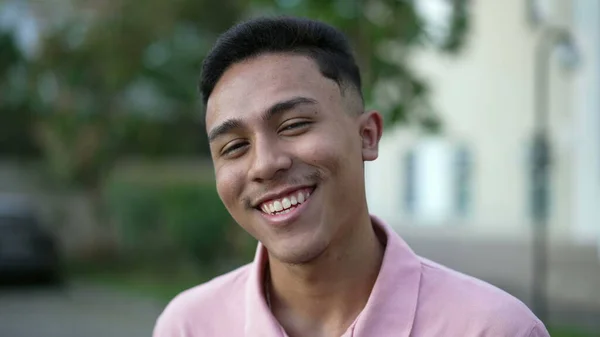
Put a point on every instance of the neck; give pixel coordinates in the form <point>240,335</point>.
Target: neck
<point>323,297</point>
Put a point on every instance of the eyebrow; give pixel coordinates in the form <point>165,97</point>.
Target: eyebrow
<point>275,109</point>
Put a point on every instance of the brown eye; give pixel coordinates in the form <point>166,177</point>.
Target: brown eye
<point>233,149</point>
<point>294,126</point>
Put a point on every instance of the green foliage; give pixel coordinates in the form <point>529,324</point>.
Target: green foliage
<point>79,149</point>
<point>142,58</point>
<point>15,132</point>
<point>155,139</point>
<point>9,53</point>
<point>384,34</point>
<point>566,332</point>
<point>16,118</point>
<point>170,222</point>
<point>197,220</point>
<point>119,77</point>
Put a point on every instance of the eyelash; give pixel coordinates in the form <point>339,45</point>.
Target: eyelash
<point>237,146</point>
<point>233,148</point>
<point>295,125</point>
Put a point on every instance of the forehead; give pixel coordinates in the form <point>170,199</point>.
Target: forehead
<point>248,88</point>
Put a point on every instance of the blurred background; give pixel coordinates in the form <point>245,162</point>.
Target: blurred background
<point>490,162</point>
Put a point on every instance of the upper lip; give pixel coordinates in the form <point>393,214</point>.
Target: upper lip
<point>279,194</point>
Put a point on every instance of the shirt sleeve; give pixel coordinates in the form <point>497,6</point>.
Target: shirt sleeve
<point>538,330</point>
<point>167,327</point>
<point>161,329</point>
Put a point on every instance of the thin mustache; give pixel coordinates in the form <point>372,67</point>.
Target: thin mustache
<point>309,179</point>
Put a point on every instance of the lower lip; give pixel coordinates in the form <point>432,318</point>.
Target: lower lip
<point>285,218</point>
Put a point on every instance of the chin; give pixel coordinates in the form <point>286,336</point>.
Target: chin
<point>302,252</point>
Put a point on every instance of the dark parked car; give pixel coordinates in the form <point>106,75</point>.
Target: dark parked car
<point>28,251</point>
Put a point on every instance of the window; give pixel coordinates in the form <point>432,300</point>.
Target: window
<point>437,181</point>
<point>463,177</point>
<point>410,182</point>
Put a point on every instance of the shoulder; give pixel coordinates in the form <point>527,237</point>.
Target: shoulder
<point>469,304</point>
<point>204,306</point>
<point>210,295</point>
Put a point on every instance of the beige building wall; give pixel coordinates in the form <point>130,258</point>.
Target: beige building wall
<point>586,124</point>
<point>485,98</point>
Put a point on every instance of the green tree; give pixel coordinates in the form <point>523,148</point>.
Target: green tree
<point>384,34</point>
<point>108,76</point>
<point>15,110</point>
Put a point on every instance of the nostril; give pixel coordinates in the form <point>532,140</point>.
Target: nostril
<point>268,162</point>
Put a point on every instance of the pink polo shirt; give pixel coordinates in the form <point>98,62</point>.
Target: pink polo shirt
<point>411,297</point>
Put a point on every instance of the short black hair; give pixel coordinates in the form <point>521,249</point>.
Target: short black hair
<point>326,45</point>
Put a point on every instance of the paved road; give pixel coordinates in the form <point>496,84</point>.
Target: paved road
<point>74,311</point>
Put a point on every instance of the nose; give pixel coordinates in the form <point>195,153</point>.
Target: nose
<point>269,158</point>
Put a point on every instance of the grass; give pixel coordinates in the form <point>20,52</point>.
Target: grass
<point>162,286</point>
<point>565,332</point>
<point>147,285</point>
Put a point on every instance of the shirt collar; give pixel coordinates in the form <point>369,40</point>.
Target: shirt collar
<point>259,319</point>
<point>391,307</point>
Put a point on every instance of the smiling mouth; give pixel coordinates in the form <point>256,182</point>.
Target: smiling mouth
<point>286,203</point>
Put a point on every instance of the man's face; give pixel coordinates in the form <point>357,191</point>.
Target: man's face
<point>288,149</point>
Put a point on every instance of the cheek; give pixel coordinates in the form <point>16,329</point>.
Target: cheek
<point>329,150</point>
<point>327,158</point>
<point>230,184</point>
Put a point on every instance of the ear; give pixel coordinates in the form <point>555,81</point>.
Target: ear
<point>371,129</point>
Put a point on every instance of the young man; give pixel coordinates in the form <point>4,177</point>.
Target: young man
<point>289,136</point>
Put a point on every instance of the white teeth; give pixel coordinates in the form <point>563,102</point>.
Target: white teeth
<point>286,203</point>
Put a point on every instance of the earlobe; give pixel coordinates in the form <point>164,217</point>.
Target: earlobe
<point>371,129</point>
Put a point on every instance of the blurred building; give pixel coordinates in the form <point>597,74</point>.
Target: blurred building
<point>477,174</point>
<point>463,198</point>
